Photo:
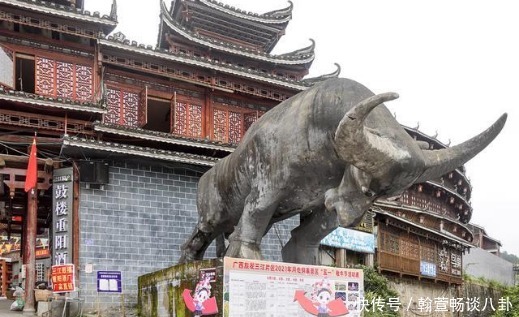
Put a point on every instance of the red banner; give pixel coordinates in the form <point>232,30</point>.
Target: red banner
<point>63,278</point>
<point>31,178</point>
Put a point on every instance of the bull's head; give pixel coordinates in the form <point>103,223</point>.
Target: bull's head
<point>391,161</point>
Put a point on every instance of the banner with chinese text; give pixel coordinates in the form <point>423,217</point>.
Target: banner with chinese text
<point>63,278</point>
<point>62,199</point>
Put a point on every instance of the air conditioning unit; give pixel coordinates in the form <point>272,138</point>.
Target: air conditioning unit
<point>93,172</point>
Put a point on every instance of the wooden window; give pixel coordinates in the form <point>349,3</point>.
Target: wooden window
<point>231,123</point>
<point>123,107</point>
<point>62,79</point>
<point>187,118</point>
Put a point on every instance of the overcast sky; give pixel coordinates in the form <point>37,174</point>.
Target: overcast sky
<point>455,65</point>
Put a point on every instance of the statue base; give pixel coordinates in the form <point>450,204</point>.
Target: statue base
<point>233,287</point>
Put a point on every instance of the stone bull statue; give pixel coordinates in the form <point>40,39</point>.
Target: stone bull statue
<point>328,152</point>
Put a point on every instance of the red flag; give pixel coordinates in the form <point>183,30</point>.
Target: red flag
<point>31,178</point>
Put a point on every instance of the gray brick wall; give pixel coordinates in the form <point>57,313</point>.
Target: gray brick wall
<point>481,263</point>
<point>138,222</point>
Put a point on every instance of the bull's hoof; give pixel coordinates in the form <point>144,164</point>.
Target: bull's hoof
<point>244,250</point>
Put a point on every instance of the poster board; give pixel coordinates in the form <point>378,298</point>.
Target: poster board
<point>275,289</point>
<point>63,278</point>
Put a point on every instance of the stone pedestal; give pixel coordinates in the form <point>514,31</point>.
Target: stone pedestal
<point>43,307</point>
<point>160,292</point>
<point>230,287</point>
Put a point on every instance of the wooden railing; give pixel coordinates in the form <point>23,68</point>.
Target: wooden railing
<point>398,264</point>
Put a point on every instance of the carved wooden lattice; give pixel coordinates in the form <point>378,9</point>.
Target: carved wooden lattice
<point>113,103</point>
<point>84,82</point>
<point>180,118</point>
<point>45,84</point>
<point>390,243</point>
<point>122,107</point>
<point>235,127</point>
<point>62,79</point>
<point>249,118</point>
<point>64,84</point>
<point>428,252</point>
<point>195,121</point>
<point>220,125</point>
<point>129,108</point>
<point>187,120</point>
<point>409,248</point>
<point>143,107</point>
<point>231,123</point>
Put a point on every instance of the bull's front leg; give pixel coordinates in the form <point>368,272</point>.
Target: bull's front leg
<point>303,246</point>
<point>245,241</point>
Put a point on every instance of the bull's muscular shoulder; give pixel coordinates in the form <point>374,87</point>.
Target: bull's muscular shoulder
<point>318,108</point>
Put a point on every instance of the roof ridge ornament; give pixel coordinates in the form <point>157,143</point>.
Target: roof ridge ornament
<point>280,13</point>
<point>309,50</point>
<point>314,80</point>
<point>113,10</point>
<point>119,36</point>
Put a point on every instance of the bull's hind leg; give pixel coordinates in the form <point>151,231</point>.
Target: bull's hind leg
<point>245,241</point>
<point>196,245</point>
<point>303,246</point>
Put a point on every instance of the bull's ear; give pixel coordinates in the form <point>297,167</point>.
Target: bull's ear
<point>440,162</point>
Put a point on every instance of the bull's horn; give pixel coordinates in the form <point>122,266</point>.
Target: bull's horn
<point>440,162</point>
<point>356,145</point>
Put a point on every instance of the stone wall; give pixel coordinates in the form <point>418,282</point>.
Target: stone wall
<point>480,263</point>
<point>429,298</point>
<point>138,222</point>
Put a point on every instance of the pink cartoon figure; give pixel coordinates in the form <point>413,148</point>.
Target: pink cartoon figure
<point>322,303</point>
<point>201,303</point>
<point>321,296</point>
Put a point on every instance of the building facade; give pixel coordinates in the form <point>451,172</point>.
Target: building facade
<point>125,130</point>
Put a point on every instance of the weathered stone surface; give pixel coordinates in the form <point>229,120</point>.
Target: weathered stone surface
<point>160,293</point>
<point>328,153</point>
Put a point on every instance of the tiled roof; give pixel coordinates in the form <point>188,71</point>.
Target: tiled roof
<point>301,56</point>
<point>314,80</point>
<point>202,62</point>
<point>62,103</point>
<point>273,17</point>
<point>444,234</point>
<point>125,149</point>
<point>161,137</point>
<point>63,11</point>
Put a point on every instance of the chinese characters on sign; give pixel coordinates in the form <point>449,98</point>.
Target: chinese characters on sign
<point>62,215</point>
<point>63,278</point>
<point>350,239</point>
<point>109,281</point>
<point>262,288</point>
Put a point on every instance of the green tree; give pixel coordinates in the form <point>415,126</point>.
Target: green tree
<point>510,257</point>
<point>509,303</point>
<point>378,295</point>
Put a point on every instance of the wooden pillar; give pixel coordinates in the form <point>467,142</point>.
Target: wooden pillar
<point>340,257</point>
<point>29,258</point>
<point>3,265</point>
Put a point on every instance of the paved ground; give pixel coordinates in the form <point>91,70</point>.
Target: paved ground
<point>5,305</point>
